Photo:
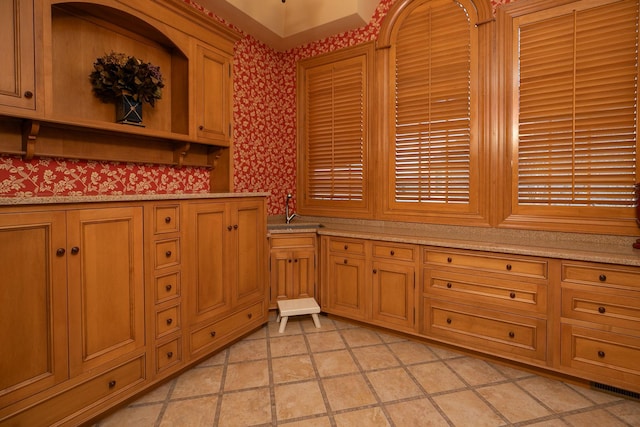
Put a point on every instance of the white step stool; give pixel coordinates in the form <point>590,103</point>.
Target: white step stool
<point>296,307</point>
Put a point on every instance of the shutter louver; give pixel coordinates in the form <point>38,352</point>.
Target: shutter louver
<point>335,130</point>
<point>432,159</point>
<point>577,117</point>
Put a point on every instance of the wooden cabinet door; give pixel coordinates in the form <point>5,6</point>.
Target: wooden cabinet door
<point>33,303</point>
<point>393,294</point>
<point>106,285</point>
<point>213,96</point>
<point>17,50</point>
<point>209,231</point>
<point>281,276</point>
<point>292,275</point>
<point>345,286</point>
<point>248,251</point>
<point>304,274</point>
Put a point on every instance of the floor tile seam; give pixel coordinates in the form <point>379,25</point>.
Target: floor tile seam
<point>272,390</point>
<point>318,379</point>
<point>223,376</point>
<point>165,404</point>
<point>298,419</point>
<point>518,384</point>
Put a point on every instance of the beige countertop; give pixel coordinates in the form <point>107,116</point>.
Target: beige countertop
<point>17,201</point>
<point>573,246</point>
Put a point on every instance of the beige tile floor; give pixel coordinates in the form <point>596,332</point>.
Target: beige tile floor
<point>346,375</point>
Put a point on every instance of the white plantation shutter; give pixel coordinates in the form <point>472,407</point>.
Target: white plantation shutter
<point>432,133</point>
<point>576,96</point>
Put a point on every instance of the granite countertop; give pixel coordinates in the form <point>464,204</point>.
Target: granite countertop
<point>573,246</point>
<point>17,201</point>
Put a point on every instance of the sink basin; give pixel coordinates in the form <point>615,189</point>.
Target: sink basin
<point>293,226</point>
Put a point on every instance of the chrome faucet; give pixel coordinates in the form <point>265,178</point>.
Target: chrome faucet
<point>288,217</point>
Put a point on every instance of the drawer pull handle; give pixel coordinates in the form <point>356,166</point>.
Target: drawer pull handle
<point>511,334</point>
<point>448,321</point>
<point>512,295</point>
<point>509,267</point>
<point>393,253</point>
<point>250,315</point>
<point>168,287</point>
<point>346,247</point>
<point>169,321</point>
<point>170,355</point>
<point>345,261</point>
<point>75,250</point>
<point>449,259</point>
<point>449,285</point>
<point>601,310</point>
<point>60,252</point>
<point>602,278</point>
<point>601,354</point>
<point>212,333</point>
<point>112,383</point>
<point>168,254</point>
<point>28,94</point>
<point>167,219</point>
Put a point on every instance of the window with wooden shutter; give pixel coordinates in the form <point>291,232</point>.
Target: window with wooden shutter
<point>573,91</point>
<point>433,145</point>
<point>334,134</point>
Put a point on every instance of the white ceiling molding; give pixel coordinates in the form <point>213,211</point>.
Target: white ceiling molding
<point>287,25</point>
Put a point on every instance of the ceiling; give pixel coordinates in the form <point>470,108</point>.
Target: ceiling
<point>283,26</point>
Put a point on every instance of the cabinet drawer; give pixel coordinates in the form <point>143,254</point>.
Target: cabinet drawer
<point>604,306</point>
<point>404,253</point>
<point>167,321</point>
<point>167,253</point>
<point>603,356</point>
<point>509,294</point>
<point>166,219</point>
<point>481,329</point>
<point>82,396</point>
<point>167,287</point>
<point>512,265</point>
<point>214,333</point>
<point>168,354</point>
<point>293,241</point>
<point>601,274</point>
<point>346,246</point>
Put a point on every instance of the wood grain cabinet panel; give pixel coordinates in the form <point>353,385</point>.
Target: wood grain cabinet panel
<point>292,266</point>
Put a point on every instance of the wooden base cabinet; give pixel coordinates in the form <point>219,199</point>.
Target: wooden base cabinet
<point>292,265</point>
<point>600,323</point>
<point>370,281</point>
<point>104,301</point>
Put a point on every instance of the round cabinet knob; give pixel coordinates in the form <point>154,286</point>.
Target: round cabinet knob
<point>169,321</point>
<point>112,383</point>
<point>346,247</point>
<point>511,334</point>
<point>170,355</point>
<point>167,219</point>
<point>295,260</point>
<point>448,321</point>
<point>168,287</point>
<point>212,333</point>
<point>601,310</point>
<point>375,271</point>
<point>601,354</point>
<point>75,250</point>
<point>235,226</point>
<point>229,228</point>
<point>201,127</point>
<point>449,260</point>
<point>509,267</point>
<point>28,94</point>
<point>345,261</point>
<point>60,252</point>
<point>449,285</point>
<point>602,278</point>
<point>290,260</point>
<point>392,253</point>
<point>250,315</point>
<point>168,254</point>
<point>512,295</point>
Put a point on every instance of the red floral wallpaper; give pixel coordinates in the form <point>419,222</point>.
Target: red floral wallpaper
<point>264,134</point>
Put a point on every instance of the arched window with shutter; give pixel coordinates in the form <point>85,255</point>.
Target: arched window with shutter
<point>434,154</point>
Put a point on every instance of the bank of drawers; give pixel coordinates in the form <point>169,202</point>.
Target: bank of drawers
<point>489,302</point>
<point>600,322</point>
<point>167,287</point>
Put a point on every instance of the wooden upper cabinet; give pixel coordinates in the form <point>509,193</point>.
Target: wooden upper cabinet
<point>34,355</point>
<point>106,285</point>
<point>213,96</point>
<point>17,50</point>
